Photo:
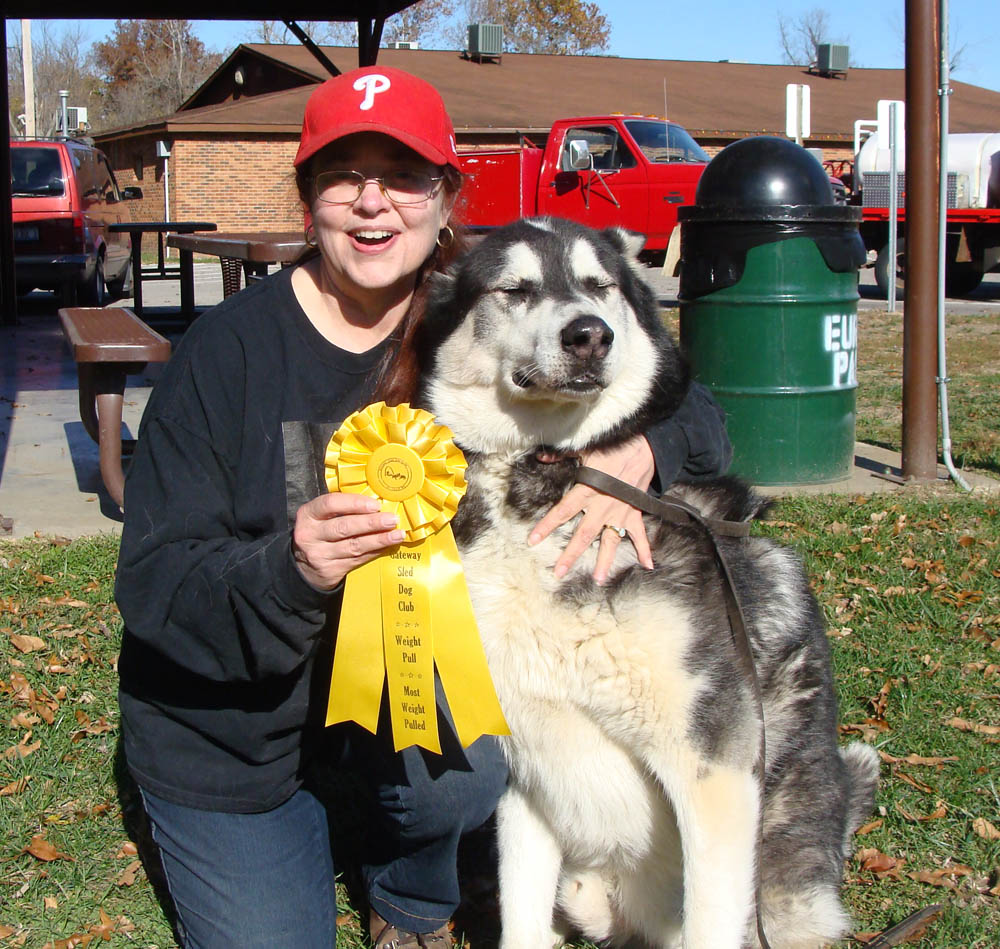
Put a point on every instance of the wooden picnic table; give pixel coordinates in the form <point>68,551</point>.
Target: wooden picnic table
<point>184,272</point>
<point>241,252</point>
<point>109,344</point>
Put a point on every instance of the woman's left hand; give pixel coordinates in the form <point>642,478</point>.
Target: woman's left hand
<point>631,462</point>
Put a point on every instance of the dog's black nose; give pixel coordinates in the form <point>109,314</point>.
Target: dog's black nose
<point>587,337</point>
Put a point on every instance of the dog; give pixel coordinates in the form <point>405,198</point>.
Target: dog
<point>633,813</point>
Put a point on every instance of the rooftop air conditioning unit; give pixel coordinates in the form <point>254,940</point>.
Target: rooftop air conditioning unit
<point>831,58</point>
<point>485,41</point>
<point>403,44</point>
<point>76,117</point>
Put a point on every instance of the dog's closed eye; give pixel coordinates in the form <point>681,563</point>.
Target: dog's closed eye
<point>597,286</point>
<point>519,291</point>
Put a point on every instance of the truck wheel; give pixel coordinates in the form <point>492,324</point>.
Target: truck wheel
<point>960,279</point>
<point>92,292</point>
<point>882,270</point>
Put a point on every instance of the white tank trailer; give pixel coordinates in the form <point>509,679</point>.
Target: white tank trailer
<point>973,229</point>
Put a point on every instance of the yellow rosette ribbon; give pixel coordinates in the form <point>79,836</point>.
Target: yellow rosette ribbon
<point>409,609</point>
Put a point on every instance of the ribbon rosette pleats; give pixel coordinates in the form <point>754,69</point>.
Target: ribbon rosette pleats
<point>409,609</point>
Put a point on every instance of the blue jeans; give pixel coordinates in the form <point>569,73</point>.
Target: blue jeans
<point>267,880</point>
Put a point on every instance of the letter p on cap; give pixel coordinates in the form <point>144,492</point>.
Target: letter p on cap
<point>372,84</point>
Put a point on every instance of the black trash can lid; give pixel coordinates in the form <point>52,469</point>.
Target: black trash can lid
<point>765,178</point>
<point>764,171</point>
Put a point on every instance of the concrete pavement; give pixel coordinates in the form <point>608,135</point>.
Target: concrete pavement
<point>49,478</point>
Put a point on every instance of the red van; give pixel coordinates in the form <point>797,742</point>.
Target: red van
<point>64,197</point>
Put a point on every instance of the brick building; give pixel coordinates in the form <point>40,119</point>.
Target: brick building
<point>231,144</point>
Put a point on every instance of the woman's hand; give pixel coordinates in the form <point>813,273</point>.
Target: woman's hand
<point>335,533</point>
<point>631,462</point>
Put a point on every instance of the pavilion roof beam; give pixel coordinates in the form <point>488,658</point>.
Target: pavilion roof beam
<point>306,40</point>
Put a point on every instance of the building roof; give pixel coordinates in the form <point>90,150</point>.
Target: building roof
<point>527,92</point>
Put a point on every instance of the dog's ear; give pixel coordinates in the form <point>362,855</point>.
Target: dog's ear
<point>440,281</point>
<point>440,287</point>
<point>628,243</point>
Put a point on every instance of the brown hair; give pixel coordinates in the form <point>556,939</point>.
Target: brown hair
<point>397,374</point>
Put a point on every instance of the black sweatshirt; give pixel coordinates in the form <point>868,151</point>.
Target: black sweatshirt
<point>225,657</point>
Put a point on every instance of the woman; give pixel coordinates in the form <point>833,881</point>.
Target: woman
<point>233,556</point>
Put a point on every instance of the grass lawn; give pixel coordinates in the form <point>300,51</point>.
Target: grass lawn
<point>910,584</point>
<point>973,365</point>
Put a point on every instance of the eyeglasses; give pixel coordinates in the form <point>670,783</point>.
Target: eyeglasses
<point>400,187</point>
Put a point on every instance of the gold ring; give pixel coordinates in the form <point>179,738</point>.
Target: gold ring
<point>620,531</point>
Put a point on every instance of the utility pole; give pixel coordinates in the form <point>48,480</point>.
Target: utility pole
<point>28,73</point>
<point>919,456</point>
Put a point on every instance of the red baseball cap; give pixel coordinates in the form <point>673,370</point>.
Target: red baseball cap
<point>379,99</point>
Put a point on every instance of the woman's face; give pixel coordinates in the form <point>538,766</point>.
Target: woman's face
<point>372,245</point>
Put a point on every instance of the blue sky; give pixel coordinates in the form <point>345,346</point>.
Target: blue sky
<point>747,31</point>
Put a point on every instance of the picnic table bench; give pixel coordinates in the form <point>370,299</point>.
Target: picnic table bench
<point>108,344</point>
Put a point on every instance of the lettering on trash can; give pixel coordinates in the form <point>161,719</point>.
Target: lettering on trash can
<point>840,340</point>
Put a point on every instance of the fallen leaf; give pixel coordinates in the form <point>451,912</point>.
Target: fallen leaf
<point>127,876</point>
<point>42,850</point>
<point>978,727</point>
<point>869,827</point>
<point>915,759</point>
<point>50,902</point>
<point>913,782</point>
<point>127,849</point>
<point>6,931</point>
<point>15,787</point>
<point>68,601</point>
<point>943,876</point>
<point>880,701</point>
<point>941,810</point>
<point>103,931</point>
<point>27,643</point>
<point>882,865</point>
<point>981,827</point>
<point>870,729</point>
<point>22,749</point>
<point>933,877</point>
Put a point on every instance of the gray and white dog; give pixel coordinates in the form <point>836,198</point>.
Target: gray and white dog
<point>633,811</point>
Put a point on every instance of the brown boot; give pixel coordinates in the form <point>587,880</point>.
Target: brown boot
<point>386,936</point>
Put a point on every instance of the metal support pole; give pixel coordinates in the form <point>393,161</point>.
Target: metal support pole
<point>894,126</point>
<point>64,117</point>
<point>8,292</point>
<point>919,461</point>
<point>944,91</point>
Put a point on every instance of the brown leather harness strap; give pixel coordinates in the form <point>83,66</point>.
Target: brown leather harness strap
<point>676,511</point>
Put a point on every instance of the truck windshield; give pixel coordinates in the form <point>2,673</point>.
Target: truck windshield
<point>35,171</point>
<point>662,142</point>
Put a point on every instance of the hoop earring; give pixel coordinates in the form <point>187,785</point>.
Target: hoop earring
<point>450,239</point>
<point>310,236</point>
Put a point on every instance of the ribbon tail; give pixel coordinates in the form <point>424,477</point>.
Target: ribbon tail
<point>358,661</point>
<point>408,645</point>
<point>458,651</point>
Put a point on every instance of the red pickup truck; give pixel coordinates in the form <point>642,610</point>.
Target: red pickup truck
<point>630,170</point>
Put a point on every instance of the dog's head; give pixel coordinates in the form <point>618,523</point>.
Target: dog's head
<point>544,334</point>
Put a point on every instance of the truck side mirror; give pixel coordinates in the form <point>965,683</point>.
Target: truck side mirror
<point>131,193</point>
<point>579,155</point>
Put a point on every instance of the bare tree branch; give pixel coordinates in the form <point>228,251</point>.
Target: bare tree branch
<point>799,37</point>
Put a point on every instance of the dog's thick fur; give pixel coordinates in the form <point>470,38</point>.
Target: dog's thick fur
<point>633,806</point>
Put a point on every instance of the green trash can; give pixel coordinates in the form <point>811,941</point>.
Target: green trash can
<point>769,309</point>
